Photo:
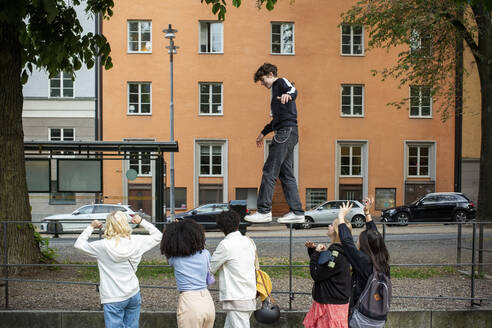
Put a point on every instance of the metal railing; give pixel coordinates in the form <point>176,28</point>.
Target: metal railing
<point>473,264</point>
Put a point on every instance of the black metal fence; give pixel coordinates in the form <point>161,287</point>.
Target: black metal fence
<point>476,266</point>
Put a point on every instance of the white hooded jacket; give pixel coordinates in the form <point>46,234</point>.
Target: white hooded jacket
<point>118,261</point>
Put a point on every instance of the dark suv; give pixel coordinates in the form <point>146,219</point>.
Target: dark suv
<point>433,207</point>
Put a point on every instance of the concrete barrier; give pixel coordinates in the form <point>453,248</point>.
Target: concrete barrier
<point>95,319</point>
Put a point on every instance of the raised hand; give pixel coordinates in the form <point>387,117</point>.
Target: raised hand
<point>136,219</point>
<point>310,244</point>
<point>344,209</point>
<point>368,202</point>
<point>320,248</point>
<point>96,224</point>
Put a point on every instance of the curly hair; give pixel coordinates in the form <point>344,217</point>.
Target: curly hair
<point>182,238</point>
<point>265,69</point>
<point>228,221</point>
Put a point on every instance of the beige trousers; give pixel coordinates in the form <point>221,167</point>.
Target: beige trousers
<point>195,309</point>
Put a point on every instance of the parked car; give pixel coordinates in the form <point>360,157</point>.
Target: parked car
<point>206,214</point>
<point>433,207</point>
<point>82,216</point>
<point>326,213</point>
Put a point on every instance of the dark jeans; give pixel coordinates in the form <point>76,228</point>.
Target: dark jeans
<point>280,164</point>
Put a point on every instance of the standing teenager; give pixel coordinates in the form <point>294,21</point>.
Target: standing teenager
<point>118,256</point>
<point>183,244</point>
<point>280,161</point>
<point>330,271</point>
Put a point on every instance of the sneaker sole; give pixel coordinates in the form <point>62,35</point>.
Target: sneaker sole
<point>299,220</point>
<point>258,221</point>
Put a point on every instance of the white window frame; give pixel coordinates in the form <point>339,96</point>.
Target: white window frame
<point>351,145</point>
<point>139,113</point>
<point>139,171</point>
<point>139,36</point>
<point>430,159</point>
<point>420,102</point>
<point>416,42</point>
<point>210,145</point>
<point>281,53</point>
<point>62,138</point>
<point>61,75</point>
<point>210,85</point>
<point>209,32</point>
<point>352,41</point>
<point>351,100</point>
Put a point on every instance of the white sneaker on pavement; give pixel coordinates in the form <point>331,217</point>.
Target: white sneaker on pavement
<point>291,217</point>
<point>259,217</point>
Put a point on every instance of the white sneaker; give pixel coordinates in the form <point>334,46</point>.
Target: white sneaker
<point>259,217</point>
<point>291,217</point>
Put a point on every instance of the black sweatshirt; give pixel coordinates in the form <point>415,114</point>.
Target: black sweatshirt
<point>360,261</point>
<point>331,285</point>
<point>284,115</point>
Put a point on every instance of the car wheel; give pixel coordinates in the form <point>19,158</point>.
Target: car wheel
<point>402,218</point>
<point>358,221</point>
<point>460,216</point>
<point>308,224</point>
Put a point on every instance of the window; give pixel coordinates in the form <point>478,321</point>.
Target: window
<point>62,134</point>
<point>61,86</point>
<point>350,160</point>
<point>352,100</point>
<point>179,198</point>
<point>210,159</point>
<point>60,198</point>
<point>140,162</point>
<point>315,197</point>
<point>139,36</point>
<point>210,98</point>
<point>211,37</point>
<point>283,38</point>
<point>418,160</point>
<point>210,193</point>
<point>385,198</point>
<point>415,190</point>
<point>350,192</point>
<point>352,40</point>
<point>421,43</point>
<point>420,101</point>
<point>139,98</point>
<point>249,194</point>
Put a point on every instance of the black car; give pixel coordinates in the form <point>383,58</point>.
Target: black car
<point>433,207</point>
<point>205,214</point>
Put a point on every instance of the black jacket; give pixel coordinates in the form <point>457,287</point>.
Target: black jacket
<point>331,284</point>
<point>361,263</point>
<point>284,115</point>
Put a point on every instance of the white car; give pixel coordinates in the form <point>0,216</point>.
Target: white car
<point>327,212</point>
<point>82,217</point>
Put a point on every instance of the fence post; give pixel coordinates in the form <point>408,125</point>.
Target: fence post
<point>6,261</point>
<point>56,230</point>
<point>290,268</point>
<point>384,232</point>
<point>473,266</point>
<point>458,246</point>
<point>480,249</point>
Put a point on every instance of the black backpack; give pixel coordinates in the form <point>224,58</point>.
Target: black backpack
<point>375,300</point>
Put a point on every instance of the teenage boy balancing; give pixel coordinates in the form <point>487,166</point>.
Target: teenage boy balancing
<point>280,161</point>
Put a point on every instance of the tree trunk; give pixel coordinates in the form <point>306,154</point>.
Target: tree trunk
<point>484,64</point>
<point>14,201</point>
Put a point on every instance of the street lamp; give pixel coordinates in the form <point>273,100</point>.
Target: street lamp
<point>170,34</point>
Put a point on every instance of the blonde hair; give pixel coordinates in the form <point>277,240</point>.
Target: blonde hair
<point>336,237</point>
<point>117,226</point>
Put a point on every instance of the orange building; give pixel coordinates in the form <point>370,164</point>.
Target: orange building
<point>351,143</point>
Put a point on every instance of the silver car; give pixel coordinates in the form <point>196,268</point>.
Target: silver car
<point>82,217</point>
<point>327,212</point>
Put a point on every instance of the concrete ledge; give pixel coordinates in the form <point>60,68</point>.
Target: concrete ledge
<point>95,319</point>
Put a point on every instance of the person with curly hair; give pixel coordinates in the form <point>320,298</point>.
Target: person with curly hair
<point>183,244</point>
<point>118,256</point>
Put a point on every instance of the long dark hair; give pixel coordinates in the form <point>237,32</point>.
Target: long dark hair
<point>183,238</point>
<point>371,242</point>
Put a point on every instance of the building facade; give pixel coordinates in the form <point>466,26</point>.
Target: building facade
<point>351,143</point>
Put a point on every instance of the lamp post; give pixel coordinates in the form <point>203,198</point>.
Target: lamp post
<point>170,34</point>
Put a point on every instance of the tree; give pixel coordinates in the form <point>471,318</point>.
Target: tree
<point>45,34</point>
<point>425,32</point>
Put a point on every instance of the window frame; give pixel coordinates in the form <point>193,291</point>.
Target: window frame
<point>416,41</point>
<point>210,145</point>
<point>139,113</point>
<point>139,36</point>
<point>210,37</point>
<point>430,159</point>
<point>140,156</point>
<point>352,100</point>
<point>210,85</point>
<point>281,40</point>
<point>420,98</point>
<point>362,54</point>
<point>351,145</point>
<point>309,201</point>
<point>62,96</point>
<point>62,134</point>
